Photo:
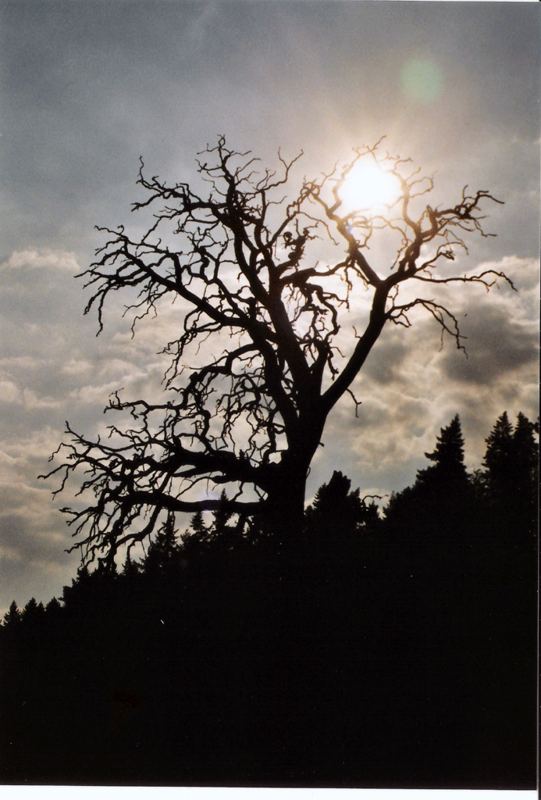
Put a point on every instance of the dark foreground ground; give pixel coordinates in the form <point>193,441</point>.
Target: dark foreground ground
<point>362,661</point>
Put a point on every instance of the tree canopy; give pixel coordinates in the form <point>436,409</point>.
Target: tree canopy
<point>264,280</point>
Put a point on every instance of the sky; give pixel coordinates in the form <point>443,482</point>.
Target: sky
<point>88,87</point>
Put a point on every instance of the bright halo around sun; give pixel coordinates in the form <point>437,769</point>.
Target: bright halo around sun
<point>368,187</point>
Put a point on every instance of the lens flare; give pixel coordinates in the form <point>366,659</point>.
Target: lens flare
<point>422,80</point>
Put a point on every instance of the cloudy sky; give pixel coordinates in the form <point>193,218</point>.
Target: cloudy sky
<point>86,87</point>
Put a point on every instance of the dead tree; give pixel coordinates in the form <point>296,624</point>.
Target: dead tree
<point>269,282</point>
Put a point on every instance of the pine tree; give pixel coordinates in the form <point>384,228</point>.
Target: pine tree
<point>448,457</point>
<point>223,535</point>
<point>498,460</point>
<point>526,450</point>
<point>221,517</point>
<point>130,568</point>
<point>198,526</point>
<point>33,612</point>
<point>337,511</point>
<point>331,495</point>
<point>511,465</point>
<point>526,455</point>
<point>53,608</point>
<point>74,596</point>
<point>441,499</point>
<point>12,616</point>
<point>196,539</point>
<point>164,551</point>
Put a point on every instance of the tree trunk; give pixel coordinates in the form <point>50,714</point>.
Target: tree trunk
<point>284,517</point>
<point>285,506</point>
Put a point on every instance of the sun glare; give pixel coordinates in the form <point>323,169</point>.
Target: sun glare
<point>368,187</point>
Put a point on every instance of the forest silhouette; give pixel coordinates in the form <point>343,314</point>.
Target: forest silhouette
<point>370,647</point>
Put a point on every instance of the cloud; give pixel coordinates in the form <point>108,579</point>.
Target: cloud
<point>501,331</point>
<point>524,272</point>
<point>31,400</point>
<point>9,392</point>
<point>499,345</point>
<point>33,534</point>
<point>32,259</point>
<point>19,362</point>
<point>76,367</point>
<point>33,560</point>
<point>385,366</point>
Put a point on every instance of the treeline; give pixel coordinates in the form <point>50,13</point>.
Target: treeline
<point>369,649</point>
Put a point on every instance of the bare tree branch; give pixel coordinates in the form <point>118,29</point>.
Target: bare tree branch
<point>268,282</point>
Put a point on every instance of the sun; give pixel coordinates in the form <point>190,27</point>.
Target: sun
<point>368,187</point>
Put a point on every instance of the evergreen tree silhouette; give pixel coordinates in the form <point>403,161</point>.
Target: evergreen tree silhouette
<point>53,606</point>
<point>511,465</point>
<point>498,460</point>
<point>12,617</point>
<point>448,458</point>
<point>53,609</point>
<point>33,612</point>
<point>337,511</point>
<point>130,568</point>
<point>526,460</point>
<point>222,534</point>
<point>507,573</point>
<point>441,498</point>
<point>74,595</point>
<point>163,552</point>
<point>197,525</point>
<point>195,540</point>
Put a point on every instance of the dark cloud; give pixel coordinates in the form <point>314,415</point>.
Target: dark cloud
<point>21,542</point>
<point>384,365</point>
<point>32,565</point>
<point>497,345</point>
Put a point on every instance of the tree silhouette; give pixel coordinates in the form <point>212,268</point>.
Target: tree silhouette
<point>510,477</point>
<point>130,568</point>
<point>448,468</point>
<point>265,285</point>
<point>33,612</point>
<point>441,498</point>
<point>196,538</point>
<point>12,616</point>
<point>526,453</point>
<point>222,516</point>
<point>53,609</point>
<point>338,511</point>
<point>499,458</point>
<point>163,551</point>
